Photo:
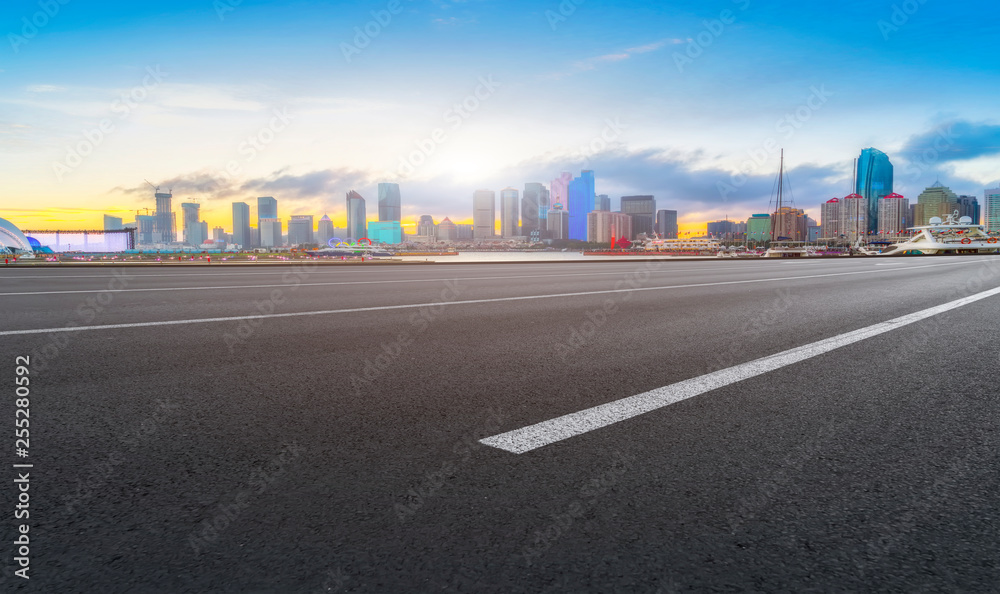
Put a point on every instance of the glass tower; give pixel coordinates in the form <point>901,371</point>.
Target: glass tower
<point>531,208</point>
<point>581,202</point>
<point>388,202</point>
<point>267,208</point>
<point>484,213</point>
<point>642,209</point>
<point>509,220</point>
<point>241,224</point>
<point>874,182</point>
<point>357,218</point>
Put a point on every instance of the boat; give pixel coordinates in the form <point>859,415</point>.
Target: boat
<point>951,235</point>
<point>788,249</point>
<point>351,252</point>
<point>781,246</point>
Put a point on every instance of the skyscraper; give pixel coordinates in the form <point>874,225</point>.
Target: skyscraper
<point>935,201</point>
<point>447,231</point>
<point>270,232</point>
<point>641,209</point>
<point>789,224</point>
<point>144,228</point>
<point>853,217</point>
<point>509,221</point>
<point>968,206</point>
<point>241,224</point>
<point>389,203</point>
<point>991,210</point>
<point>300,230</point>
<point>426,226</point>
<point>874,182</point>
<point>267,208</point>
<point>581,202</point>
<point>357,218</point>
<point>602,225</point>
<point>759,227</point>
<point>602,202</point>
<point>163,228</point>
<point>325,231</point>
<point>192,223</point>
<point>531,207</point>
<point>558,222</point>
<point>830,219</point>
<point>484,214</point>
<point>666,224</point>
<point>558,193</point>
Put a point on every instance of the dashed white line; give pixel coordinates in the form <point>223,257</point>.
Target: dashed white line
<point>548,432</point>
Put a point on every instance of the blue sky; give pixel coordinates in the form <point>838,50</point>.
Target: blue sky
<point>668,98</point>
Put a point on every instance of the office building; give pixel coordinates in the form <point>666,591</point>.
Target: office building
<point>603,225</point>
<point>642,210</point>
<point>144,225</point>
<point>267,208</point>
<point>991,210</point>
<point>581,201</point>
<point>324,231</point>
<point>484,214</point>
<point>447,231</point>
<point>357,217</point>
<point>389,203</point>
<point>893,214</point>
<point>241,225</point>
<point>968,206</point>
<point>464,232</point>
<point>163,227</point>
<point>531,207</point>
<point>759,227</point>
<point>270,233</point>
<point>602,202</point>
<point>426,226</point>
<point>558,222</point>
<point>666,224</point>
<point>300,230</point>
<point>385,232</point>
<point>874,181</point>
<point>509,220</point>
<point>559,189</point>
<point>935,201</point>
<point>218,233</point>
<point>722,229</point>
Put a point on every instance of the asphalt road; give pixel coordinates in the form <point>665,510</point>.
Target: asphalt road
<point>183,443</point>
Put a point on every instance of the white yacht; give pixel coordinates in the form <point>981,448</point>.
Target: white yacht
<point>953,235</point>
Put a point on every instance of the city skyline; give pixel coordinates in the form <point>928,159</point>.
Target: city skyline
<point>92,116</point>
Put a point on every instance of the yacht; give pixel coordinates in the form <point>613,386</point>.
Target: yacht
<point>952,235</point>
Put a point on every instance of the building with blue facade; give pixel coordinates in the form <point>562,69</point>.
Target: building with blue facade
<point>385,232</point>
<point>581,203</point>
<point>874,182</point>
<point>389,204</point>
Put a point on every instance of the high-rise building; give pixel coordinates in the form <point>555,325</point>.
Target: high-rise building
<point>385,232</point>
<point>484,214</point>
<point>389,203</point>
<point>722,229</point>
<point>218,233</point>
<point>559,189</point>
<point>893,214</point>
<point>163,229</point>
<point>991,210</point>
<point>426,226</point>
<point>602,202</point>
<point>300,230</point>
<point>112,223</point>
<point>267,208</point>
<point>447,231</point>
<point>144,229</point>
<point>509,220</point>
<point>641,209</point>
<point>241,225</point>
<point>270,233</point>
<point>357,218</point>
<point>324,232</point>
<point>581,202</point>
<point>935,201</point>
<point>192,223</point>
<point>968,206</point>
<point>558,221</point>
<point>759,227</point>
<point>830,219</point>
<point>464,232</point>
<point>874,182</point>
<point>789,224</point>
<point>853,217</point>
<point>666,224</point>
<point>531,207</point>
<point>603,225</point>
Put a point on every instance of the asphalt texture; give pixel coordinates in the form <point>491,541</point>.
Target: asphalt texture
<point>339,452</point>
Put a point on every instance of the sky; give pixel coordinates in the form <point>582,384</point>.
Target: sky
<point>226,100</point>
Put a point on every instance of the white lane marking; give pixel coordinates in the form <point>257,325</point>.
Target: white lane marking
<point>548,432</point>
<point>378,282</point>
<point>446,303</point>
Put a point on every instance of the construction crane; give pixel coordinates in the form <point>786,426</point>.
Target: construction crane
<point>155,188</point>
